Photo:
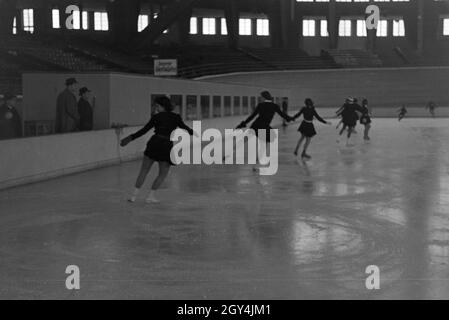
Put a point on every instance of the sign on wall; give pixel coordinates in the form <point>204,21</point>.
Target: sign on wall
<point>165,67</point>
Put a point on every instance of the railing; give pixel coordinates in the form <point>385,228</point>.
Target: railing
<point>223,68</point>
<point>219,68</point>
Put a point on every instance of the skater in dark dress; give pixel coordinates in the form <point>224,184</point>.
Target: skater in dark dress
<point>307,128</point>
<point>402,113</point>
<point>349,117</point>
<point>431,106</point>
<point>159,147</point>
<point>264,112</point>
<point>365,119</point>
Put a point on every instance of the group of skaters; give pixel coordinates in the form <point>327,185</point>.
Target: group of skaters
<point>165,122</point>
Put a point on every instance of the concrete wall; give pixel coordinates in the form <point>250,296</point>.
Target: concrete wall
<point>385,87</point>
<point>34,159</point>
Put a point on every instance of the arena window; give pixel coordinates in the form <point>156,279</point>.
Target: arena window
<point>192,106</point>
<point>193,25</point>
<point>177,100</point>
<point>76,20</point>
<point>263,27</point>
<point>85,20</point>
<point>28,20</point>
<point>224,27</point>
<point>344,28</point>
<point>101,22</point>
<point>446,27</point>
<point>398,28</point>
<point>324,28</point>
<point>142,22</point>
<point>209,26</point>
<point>14,26</point>
<point>205,107</point>
<point>56,19</point>
<point>227,106</point>
<point>253,103</point>
<point>245,105</point>
<point>245,27</point>
<point>216,100</point>
<point>237,106</point>
<point>308,28</point>
<point>382,28</point>
<point>361,28</point>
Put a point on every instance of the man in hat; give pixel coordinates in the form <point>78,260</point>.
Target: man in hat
<point>86,110</point>
<point>67,118</point>
<point>10,121</point>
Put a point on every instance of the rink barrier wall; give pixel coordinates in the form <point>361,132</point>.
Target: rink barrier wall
<point>35,159</point>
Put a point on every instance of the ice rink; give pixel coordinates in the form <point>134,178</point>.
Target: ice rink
<point>223,232</point>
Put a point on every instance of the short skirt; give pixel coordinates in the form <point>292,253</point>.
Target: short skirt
<point>159,149</point>
<point>365,120</point>
<point>307,129</point>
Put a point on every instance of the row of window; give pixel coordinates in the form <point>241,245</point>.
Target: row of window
<point>207,26</point>
<point>193,107</point>
<point>210,26</point>
<point>80,20</point>
<point>312,27</point>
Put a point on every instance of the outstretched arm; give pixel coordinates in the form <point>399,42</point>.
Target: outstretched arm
<point>138,134</point>
<point>299,114</point>
<point>182,125</point>
<point>250,118</point>
<point>317,116</point>
<point>283,114</point>
<point>339,111</point>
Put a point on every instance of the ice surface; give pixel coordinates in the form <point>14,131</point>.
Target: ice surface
<point>223,232</point>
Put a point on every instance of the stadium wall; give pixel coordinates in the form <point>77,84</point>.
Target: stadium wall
<point>386,88</point>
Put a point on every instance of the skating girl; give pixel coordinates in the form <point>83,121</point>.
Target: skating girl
<point>365,119</point>
<point>307,128</point>
<point>431,106</point>
<point>402,113</point>
<point>350,117</point>
<point>159,147</point>
<point>264,112</point>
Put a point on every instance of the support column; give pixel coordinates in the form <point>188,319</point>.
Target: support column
<point>371,36</point>
<point>123,17</point>
<point>232,21</point>
<point>183,25</point>
<point>283,24</point>
<point>293,26</point>
<point>42,18</point>
<point>332,25</point>
<point>276,34</point>
<point>420,27</point>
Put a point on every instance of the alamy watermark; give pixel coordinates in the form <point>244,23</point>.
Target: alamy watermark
<point>73,281</point>
<point>373,280</point>
<point>237,147</point>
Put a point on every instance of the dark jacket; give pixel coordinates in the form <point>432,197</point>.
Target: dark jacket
<point>265,112</point>
<point>86,114</point>
<point>67,119</point>
<point>10,123</point>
